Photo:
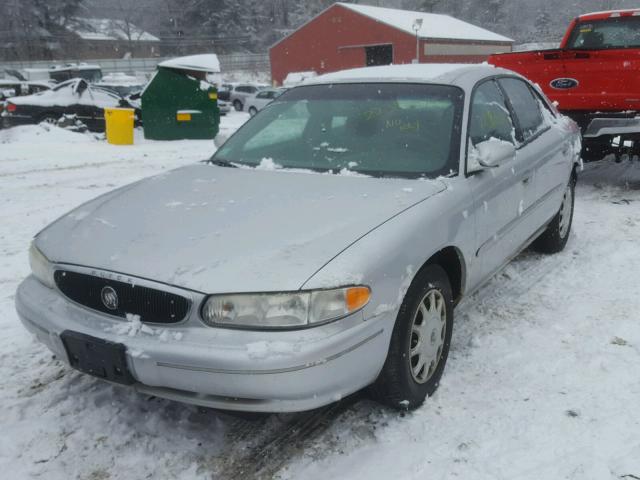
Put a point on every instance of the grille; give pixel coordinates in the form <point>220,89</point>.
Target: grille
<point>153,306</point>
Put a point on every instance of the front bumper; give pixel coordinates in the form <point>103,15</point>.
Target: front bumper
<point>268,371</point>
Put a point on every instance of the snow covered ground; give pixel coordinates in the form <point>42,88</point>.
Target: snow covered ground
<point>542,380</point>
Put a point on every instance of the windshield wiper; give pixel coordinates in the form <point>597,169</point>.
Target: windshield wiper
<point>221,163</point>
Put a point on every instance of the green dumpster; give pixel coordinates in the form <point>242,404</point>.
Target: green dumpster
<point>180,102</point>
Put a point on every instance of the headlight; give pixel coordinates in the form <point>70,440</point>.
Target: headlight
<point>41,267</point>
<point>282,310</point>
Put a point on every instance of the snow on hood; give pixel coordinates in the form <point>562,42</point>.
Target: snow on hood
<point>217,229</point>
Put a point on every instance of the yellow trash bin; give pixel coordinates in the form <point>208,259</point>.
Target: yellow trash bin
<point>119,125</point>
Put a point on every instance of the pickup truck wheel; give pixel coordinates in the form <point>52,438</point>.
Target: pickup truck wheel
<point>237,104</point>
<point>593,150</point>
<point>419,343</point>
<point>554,238</point>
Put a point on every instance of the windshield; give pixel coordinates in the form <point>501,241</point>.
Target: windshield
<point>383,129</point>
<point>620,32</point>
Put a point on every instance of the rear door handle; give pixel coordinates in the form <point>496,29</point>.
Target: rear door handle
<point>526,180</point>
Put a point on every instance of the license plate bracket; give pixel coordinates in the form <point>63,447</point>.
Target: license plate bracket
<point>98,357</point>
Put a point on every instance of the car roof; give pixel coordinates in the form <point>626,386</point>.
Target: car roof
<point>462,75</point>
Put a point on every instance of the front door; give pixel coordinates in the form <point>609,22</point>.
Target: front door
<point>379,55</point>
<point>501,194</point>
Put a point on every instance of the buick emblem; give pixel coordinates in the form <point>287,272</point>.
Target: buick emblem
<point>109,297</point>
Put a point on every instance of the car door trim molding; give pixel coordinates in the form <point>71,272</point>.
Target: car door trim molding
<point>511,225</point>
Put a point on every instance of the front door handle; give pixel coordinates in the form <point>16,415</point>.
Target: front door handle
<point>526,180</point>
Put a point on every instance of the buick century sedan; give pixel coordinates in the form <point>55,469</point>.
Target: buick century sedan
<point>321,250</point>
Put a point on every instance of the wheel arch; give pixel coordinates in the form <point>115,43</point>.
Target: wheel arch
<point>451,260</point>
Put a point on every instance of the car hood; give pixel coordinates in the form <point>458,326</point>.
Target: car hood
<point>219,229</point>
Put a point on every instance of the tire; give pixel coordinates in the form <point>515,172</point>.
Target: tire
<point>594,150</point>
<point>554,238</point>
<point>252,111</point>
<point>237,104</point>
<point>48,118</point>
<point>398,385</point>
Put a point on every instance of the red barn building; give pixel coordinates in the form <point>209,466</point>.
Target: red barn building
<point>347,35</point>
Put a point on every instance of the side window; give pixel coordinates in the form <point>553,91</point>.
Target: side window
<point>489,117</point>
<point>525,106</point>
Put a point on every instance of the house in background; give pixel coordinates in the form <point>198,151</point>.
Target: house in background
<point>348,35</point>
<point>97,38</point>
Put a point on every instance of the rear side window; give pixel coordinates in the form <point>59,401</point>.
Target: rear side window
<point>525,106</point>
<point>490,116</point>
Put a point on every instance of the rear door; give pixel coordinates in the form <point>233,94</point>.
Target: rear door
<point>543,153</point>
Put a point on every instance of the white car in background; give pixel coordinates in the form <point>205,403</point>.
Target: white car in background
<point>262,99</point>
<point>242,91</point>
<point>122,84</point>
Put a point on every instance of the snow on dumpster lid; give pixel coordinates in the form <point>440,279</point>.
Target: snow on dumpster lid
<point>203,63</point>
<point>433,25</point>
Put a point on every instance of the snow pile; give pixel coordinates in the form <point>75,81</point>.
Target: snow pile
<point>44,134</point>
<point>268,164</point>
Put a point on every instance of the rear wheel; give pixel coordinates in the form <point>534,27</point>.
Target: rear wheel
<point>554,238</point>
<point>420,342</point>
<point>237,104</point>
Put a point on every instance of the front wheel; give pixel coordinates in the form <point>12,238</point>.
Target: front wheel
<point>252,111</point>
<point>420,342</point>
<point>554,238</point>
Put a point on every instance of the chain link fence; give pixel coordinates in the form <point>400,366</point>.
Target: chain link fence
<point>235,63</point>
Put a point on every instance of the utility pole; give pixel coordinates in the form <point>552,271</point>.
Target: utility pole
<point>417,25</point>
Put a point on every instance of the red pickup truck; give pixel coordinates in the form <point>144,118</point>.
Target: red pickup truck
<point>594,77</point>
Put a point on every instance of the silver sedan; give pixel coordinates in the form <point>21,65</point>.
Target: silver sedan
<point>321,250</point>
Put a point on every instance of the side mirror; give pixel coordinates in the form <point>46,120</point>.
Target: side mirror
<point>490,154</point>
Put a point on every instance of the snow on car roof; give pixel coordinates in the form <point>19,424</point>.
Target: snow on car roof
<point>120,79</point>
<point>421,72</point>
<point>203,63</point>
<point>433,25</point>
<point>62,95</point>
